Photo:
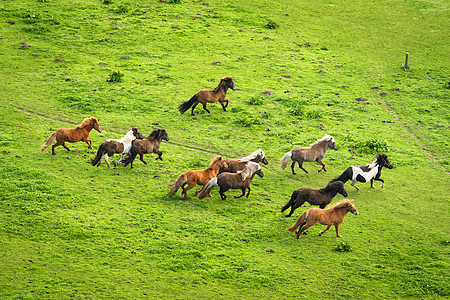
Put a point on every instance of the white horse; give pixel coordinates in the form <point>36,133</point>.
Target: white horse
<point>109,147</point>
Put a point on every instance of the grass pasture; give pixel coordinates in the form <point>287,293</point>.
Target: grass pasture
<point>71,230</point>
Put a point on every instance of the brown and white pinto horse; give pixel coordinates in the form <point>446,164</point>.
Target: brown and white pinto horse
<point>211,96</point>
<point>235,165</point>
<point>192,178</point>
<point>72,135</point>
<point>330,216</point>
<point>112,146</point>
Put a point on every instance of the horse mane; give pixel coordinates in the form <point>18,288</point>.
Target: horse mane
<point>250,169</point>
<point>222,83</point>
<point>325,138</point>
<point>332,186</point>
<point>341,204</point>
<point>87,122</point>
<point>154,134</point>
<point>254,155</point>
<point>214,161</point>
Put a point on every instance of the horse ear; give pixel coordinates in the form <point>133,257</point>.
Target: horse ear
<point>351,201</point>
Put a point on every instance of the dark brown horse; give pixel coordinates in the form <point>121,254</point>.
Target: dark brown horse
<point>211,96</point>
<point>320,197</point>
<point>235,165</point>
<point>316,152</point>
<point>72,135</point>
<point>148,145</point>
<point>331,216</point>
<point>240,180</point>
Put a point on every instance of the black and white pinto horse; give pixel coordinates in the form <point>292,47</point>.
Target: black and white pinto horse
<point>365,173</point>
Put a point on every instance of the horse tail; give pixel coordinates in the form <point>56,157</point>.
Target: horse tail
<point>207,188</point>
<point>100,152</point>
<point>49,141</point>
<point>186,105</point>
<point>180,181</point>
<point>344,177</point>
<point>291,202</point>
<point>285,159</point>
<point>130,158</point>
<point>299,221</point>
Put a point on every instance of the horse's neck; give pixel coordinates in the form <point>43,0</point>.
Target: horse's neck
<point>86,129</point>
<point>341,212</point>
<point>128,138</point>
<point>320,147</point>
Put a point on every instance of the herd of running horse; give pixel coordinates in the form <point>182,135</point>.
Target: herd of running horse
<point>235,173</point>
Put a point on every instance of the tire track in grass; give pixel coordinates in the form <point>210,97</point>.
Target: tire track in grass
<point>411,134</point>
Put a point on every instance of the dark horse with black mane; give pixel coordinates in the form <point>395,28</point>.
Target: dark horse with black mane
<point>148,145</point>
<point>365,173</point>
<point>320,197</point>
<point>211,96</point>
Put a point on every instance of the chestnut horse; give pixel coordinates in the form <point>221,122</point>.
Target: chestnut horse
<point>330,216</point>
<point>211,96</point>
<point>112,146</point>
<point>192,178</point>
<point>365,173</point>
<point>316,152</point>
<point>148,145</point>
<point>235,165</point>
<point>320,197</point>
<point>240,180</point>
<point>72,135</point>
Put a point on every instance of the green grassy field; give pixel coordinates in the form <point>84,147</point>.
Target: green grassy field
<point>68,229</point>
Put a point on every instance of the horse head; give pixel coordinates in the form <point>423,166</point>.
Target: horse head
<point>136,133</point>
<point>342,190</point>
<point>262,157</point>
<point>352,208</point>
<point>332,143</point>
<point>383,161</point>
<point>96,124</point>
<point>228,83</point>
<point>163,134</point>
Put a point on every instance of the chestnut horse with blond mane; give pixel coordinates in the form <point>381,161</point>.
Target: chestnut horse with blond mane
<point>72,135</point>
<point>316,152</point>
<point>330,216</point>
<point>209,96</point>
<point>192,178</point>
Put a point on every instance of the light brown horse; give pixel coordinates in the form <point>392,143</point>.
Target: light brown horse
<point>330,216</point>
<point>211,96</point>
<point>192,178</point>
<point>72,135</point>
<point>316,152</point>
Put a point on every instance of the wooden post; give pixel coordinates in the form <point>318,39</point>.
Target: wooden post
<point>406,61</point>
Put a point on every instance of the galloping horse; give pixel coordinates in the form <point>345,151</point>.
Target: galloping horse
<point>320,197</point>
<point>211,96</point>
<point>316,152</point>
<point>148,145</point>
<point>235,165</point>
<point>72,135</point>
<point>365,173</point>
<point>240,180</point>
<point>111,146</point>
<point>330,216</point>
<point>192,178</point>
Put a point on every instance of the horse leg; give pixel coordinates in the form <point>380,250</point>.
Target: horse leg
<point>328,227</point>
<point>222,195</point>
<point>107,161</point>
<point>64,145</point>
<point>354,185</point>
<point>193,106</point>
<point>223,105</point>
<point>119,161</point>
<point>54,146</point>
<point>248,192</point>
<point>204,107</point>
<point>303,228</point>
<point>89,143</point>
<point>243,193</point>
<point>337,230</point>
<point>159,155</point>
<point>377,179</point>
<point>292,167</point>
<point>300,164</point>
<point>141,157</point>
<point>322,164</point>
<point>295,206</point>
<point>226,103</point>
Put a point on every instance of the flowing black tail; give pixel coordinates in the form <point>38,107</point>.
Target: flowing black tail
<point>100,152</point>
<point>346,176</point>
<point>186,105</point>
<point>291,202</point>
